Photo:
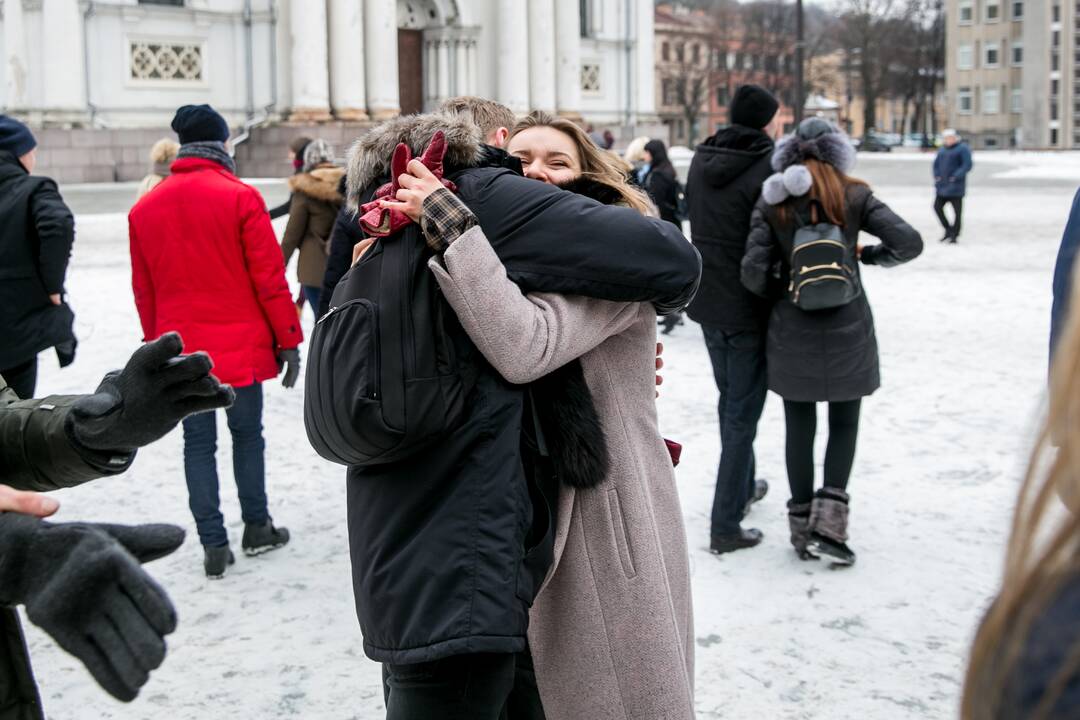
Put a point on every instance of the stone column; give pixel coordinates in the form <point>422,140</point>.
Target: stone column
<point>645,62</point>
<point>310,64</point>
<point>512,88</point>
<point>568,57</point>
<point>542,54</point>
<point>15,62</point>
<point>444,69</point>
<point>461,67</point>
<point>381,58</point>
<point>64,71</point>
<point>431,85</point>
<point>348,94</point>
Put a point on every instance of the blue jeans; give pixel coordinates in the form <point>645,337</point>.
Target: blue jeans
<point>313,295</point>
<point>738,360</point>
<point>200,465</point>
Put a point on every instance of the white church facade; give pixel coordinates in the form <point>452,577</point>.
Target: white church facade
<point>115,64</point>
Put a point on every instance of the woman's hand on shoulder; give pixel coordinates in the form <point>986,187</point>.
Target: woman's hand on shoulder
<point>415,187</point>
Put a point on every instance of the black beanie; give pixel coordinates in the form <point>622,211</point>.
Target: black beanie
<point>200,123</point>
<point>15,137</point>
<point>753,106</point>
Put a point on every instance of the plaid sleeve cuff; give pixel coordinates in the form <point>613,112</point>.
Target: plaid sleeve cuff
<point>445,219</point>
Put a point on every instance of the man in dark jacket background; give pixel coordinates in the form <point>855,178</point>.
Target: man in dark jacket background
<point>723,185</point>
<point>36,234</point>
<point>951,166</point>
<point>83,583</point>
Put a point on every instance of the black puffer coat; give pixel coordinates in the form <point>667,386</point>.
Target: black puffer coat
<point>449,548</point>
<point>722,188</point>
<point>826,355</point>
<point>662,183</point>
<point>36,234</point>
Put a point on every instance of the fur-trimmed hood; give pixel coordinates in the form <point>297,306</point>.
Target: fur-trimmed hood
<point>369,157</point>
<point>833,148</point>
<point>815,138</point>
<point>322,183</point>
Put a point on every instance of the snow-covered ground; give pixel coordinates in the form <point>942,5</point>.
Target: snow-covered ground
<point>963,339</point>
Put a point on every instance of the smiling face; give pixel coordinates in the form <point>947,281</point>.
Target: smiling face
<point>546,154</point>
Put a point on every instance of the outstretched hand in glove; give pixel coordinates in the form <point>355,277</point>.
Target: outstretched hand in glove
<point>140,404</point>
<point>83,584</point>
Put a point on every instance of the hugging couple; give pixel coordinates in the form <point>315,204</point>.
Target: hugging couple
<point>533,562</point>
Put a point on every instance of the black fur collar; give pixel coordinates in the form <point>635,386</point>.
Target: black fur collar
<point>604,194</point>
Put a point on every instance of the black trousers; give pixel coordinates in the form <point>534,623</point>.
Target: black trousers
<point>953,230</point>
<point>22,378</point>
<point>482,686</point>
<point>801,418</point>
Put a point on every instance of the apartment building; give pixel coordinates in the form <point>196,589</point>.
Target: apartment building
<point>1011,72</point>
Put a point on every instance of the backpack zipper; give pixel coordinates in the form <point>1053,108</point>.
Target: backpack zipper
<point>830,266</point>
<point>814,280</point>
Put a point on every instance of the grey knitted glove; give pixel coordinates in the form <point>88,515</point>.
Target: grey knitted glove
<point>82,584</point>
<point>290,360</point>
<point>157,389</point>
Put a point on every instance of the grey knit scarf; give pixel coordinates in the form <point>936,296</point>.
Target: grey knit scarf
<point>208,150</point>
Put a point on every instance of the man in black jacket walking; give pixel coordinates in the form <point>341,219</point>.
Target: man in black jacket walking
<point>36,234</point>
<point>723,185</point>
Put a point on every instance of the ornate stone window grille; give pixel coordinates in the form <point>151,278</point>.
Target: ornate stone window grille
<point>590,78</point>
<point>152,61</point>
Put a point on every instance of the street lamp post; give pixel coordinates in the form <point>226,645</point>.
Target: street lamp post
<point>800,43</point>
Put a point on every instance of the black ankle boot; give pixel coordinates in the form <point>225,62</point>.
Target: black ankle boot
<point>259,539</point>
<point>216,560</point>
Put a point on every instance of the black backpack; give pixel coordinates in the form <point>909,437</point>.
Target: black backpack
<point>389,367</point>
<point>823,271</point>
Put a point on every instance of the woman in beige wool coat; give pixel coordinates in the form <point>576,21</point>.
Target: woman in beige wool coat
<point>611,631</point>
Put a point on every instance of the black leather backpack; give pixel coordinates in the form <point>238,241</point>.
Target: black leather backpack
<point>386,374</point>
<point>823,271</point>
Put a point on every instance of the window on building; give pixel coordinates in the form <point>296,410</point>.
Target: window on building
<point>174,3</point>
<point>1055,62</point>
<point>723,95</point>
<point>1055,14</point>
<point>1017,103</point>
<point>967,12</point>
<point>1018,10</point>
<point>695,54</point>
<point>965,57</point>
<point>680,52</point>
<point>665,52</point>
<point>1017,53</point>
<point>1053,136</point>
<point>991,101</point>
<point>1055,88</point>
<point>990,142</point>
<point>992,54</point>
<point>669,91</point>
<point>731,61</point>
<point>993,10</point>
<point>1055,39</point>
<point>588,27</point>
<point>1053,110</point>
<point>964,102</point>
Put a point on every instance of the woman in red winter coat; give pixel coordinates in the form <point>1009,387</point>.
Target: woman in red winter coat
<point>205,263</point>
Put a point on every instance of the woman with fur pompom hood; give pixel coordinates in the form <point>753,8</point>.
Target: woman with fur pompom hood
<point>317,196</point>
<point>828,354</point>
<point>162,155</point>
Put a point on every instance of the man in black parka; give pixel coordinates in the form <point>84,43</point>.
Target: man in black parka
<point>449,548</point>
<point>36,234</point>
<point>723,185</point>
<point>82,583</point>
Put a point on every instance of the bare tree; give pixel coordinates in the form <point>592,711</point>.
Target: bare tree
<point>872,30</point>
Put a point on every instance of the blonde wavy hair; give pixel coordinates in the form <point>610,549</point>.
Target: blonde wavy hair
<point>1044,549</point>
<point>597,164</point>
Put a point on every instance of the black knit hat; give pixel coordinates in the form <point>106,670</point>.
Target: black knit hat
<point>15,137</point>
<point>753,106</point>
<point>197,123</point>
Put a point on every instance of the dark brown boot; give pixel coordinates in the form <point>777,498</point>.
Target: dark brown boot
<point>799,522</point>
<point>828,525</point>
